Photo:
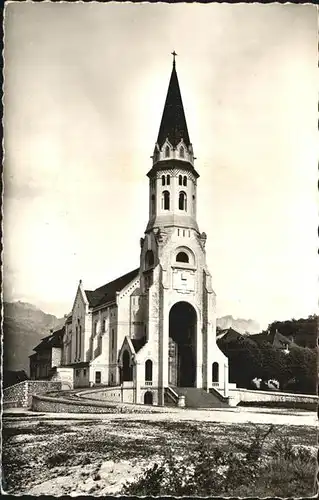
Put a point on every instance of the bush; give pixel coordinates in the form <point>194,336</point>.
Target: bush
<point>207,471</point>
<point>58,458</point>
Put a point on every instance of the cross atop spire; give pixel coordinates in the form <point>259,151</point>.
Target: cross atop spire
<point>174,55</point>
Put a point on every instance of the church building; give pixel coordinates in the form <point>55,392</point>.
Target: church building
<point>153,330</point>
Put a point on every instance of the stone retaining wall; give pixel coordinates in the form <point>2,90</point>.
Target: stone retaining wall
<point>256,397</point>
<point>61,405</point>
<point>20,395</point>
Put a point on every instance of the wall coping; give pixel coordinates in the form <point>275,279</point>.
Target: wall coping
<point>14,385</point>
<point>275,393</point>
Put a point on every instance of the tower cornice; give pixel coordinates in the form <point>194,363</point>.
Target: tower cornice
<point>172,165</point>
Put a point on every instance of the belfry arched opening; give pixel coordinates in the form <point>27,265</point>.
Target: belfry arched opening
<point>182,345</point>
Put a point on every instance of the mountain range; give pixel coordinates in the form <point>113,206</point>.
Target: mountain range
<point>248,326</point>
<point>24,325</point>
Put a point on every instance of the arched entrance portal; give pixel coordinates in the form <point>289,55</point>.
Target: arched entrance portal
<point>182,345</point>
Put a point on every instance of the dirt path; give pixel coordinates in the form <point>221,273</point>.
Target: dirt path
<point>227,416</point>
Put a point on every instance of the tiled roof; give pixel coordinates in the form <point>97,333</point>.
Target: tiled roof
<point>273,338</point>
<point>280,340</point>
<point>173,125</point>
<point>107,293</point>
<point>55,339</point>
<point>228,335</point>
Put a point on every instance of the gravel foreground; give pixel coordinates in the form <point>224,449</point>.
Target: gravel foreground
<point>73,456</point>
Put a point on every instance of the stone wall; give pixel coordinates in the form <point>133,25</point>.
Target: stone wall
<point>60,405</point>
<point>117,394</point>
<point>112,394</point>
<point>20,395</point>
<point>254,396</point>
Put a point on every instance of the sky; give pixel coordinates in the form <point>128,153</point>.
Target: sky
<point>85,86</point>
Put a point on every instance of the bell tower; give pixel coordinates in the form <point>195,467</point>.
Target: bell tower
<point>172,178</point>
<point>179,302</point>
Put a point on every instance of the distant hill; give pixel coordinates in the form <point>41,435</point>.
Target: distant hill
<point>23,327</point>
<point>241,325</point>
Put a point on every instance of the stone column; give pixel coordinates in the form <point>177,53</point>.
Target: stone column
<point>225,380</point>
<point>199,354</point>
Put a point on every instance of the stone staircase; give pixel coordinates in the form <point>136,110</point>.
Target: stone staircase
<point>199,398</point>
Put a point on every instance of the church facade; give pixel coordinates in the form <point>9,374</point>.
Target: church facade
<point>154,328</point>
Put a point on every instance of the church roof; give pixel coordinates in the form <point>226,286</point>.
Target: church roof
<point>173,125</point>
<point>107,293</point>
<point>138,343</point>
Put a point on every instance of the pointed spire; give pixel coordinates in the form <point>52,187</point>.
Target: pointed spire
<point>173,125</point>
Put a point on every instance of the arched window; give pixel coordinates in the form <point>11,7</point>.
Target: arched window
<point>153,204</point>
<point>163,180</point>
<point>148,398</point>
<point>168,180</point>
<point>104,325</point>
<point>148,370</point>
<point>149,259</point>
<point>184,180</point>
<point>165,200</point>
<point>182,257</point>
<point>182,201</point>
<point>215,374</point>
<point>127,369</point>
<point>181,152</point>
<point>180,180</point>
<point>167,151</point>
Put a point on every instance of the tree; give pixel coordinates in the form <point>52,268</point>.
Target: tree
<point>245,360</point>
<point>302,368</point>
<point>303,331</point>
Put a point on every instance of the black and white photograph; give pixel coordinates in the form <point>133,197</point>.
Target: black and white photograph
<point>160,265</point>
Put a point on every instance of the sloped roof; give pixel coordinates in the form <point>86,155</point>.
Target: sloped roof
<point>107,293</point>
<point>138,343</point>
<point>55,339</point>
<point>69,318</point>
<point>173,124</point>
<point>229,334</point>
<point>274,338</point>
<point>280,340</point>
<point>173,163</point>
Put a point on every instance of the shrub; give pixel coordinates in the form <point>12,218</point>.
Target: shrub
<point>212,471</point>
<point>207,471</point>
<point>58,458</point>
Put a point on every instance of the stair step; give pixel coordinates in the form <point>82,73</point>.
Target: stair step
<point>199,398</point>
